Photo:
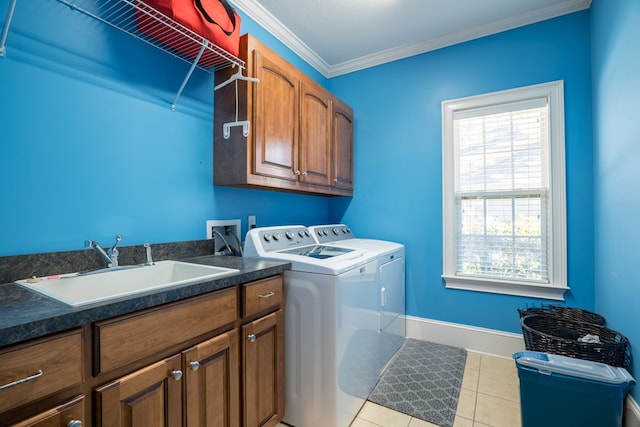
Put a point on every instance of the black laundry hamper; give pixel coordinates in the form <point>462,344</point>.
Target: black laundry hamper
<point>552,334</point>
<point>565,313</point>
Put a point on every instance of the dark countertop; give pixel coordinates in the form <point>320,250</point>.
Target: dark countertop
<point>25,314</point>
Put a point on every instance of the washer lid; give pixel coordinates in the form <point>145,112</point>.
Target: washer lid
<point>295,244</point>
<point>318,251</point>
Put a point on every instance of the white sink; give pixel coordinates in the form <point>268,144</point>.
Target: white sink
<point>83,288</point>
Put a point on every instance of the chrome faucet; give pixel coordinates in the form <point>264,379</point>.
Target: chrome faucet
<point>110,256</point>
<point>149,257</point>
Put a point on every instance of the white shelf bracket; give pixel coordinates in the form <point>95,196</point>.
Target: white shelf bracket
<point>226,128</point>
<point>188,76</point>
<point>5,29</point>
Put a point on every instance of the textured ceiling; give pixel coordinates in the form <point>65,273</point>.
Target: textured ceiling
<point>341,36</point>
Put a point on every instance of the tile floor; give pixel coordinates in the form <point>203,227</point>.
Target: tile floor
<point>489,397</point>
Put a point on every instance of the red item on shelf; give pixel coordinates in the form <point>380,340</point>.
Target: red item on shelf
<point>214,20</point>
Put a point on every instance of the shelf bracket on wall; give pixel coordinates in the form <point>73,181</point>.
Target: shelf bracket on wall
<point>188,76</point>
<point>5,29</point>
<point>226,127</point>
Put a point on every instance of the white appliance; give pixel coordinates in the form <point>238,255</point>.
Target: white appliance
<point>331,342</point>
<point>391,271</point>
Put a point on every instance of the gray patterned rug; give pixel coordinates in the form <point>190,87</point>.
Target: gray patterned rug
<point>423,381</point>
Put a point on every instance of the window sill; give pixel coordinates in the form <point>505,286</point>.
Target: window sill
<point>524,289</point>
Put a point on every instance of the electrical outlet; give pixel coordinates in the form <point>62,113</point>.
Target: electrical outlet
<point>225,234</point>
<point>252,222</point>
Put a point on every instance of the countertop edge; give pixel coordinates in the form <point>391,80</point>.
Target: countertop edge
<point>28,315</point>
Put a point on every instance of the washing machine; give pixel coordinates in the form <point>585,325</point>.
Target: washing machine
<point>390,258</point>
<point>331,337</point>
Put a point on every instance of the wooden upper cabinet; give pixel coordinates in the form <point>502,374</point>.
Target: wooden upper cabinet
<point>275,118</point>
<point>342,175</point>
<point>290,146</point>
<point>315,134</point>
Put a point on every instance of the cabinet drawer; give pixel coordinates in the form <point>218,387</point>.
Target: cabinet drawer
<point>262,295</point>
<point>35,370</point>
<point>126,339</point>
<point>67,414</point>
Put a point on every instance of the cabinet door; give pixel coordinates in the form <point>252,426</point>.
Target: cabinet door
<point>263,367</point>
<point>212,382</point>
<point>67,414</point>
<point>342,146</point>
<point>315,134</point>
<point>275,115</point>
<point>151,396</point>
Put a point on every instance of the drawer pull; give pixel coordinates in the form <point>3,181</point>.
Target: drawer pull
<point>24,380</point>
<point>74,423</point>
<point>194,365</point>
<point>269,295</point>
<point>176,375</point>
<point>251,337</point>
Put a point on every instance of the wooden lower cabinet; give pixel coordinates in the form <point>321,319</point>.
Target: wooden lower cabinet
<point>215,360</point>
<point>207,372</point>
<point>212,384</point>
<point>70,414</point>
<point>151,396</point>
<point>35,370</point>
<point>263,368</point>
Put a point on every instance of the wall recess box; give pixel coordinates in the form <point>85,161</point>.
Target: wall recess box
<point>230,231</point>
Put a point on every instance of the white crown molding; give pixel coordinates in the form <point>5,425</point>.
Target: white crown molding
<point>265,19</point>
<point>270,23</point>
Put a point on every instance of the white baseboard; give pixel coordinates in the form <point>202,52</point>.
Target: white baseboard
<point>631,412</point>
<point>489,341</point>
<point>472,338</point>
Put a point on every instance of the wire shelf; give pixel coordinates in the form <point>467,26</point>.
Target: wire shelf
<point>138,19</point>
<point>143,22</point>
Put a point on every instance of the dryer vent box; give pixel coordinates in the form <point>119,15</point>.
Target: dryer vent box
<point>224,233</point>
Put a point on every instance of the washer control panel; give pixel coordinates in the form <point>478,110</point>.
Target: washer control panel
<point>278,238</point>
<point>331,233</point>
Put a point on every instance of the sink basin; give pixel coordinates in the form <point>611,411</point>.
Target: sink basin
<point>81,288</point>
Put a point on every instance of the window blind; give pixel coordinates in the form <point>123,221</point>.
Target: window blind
<point>502,191</point>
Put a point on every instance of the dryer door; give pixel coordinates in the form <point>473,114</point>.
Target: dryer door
<point>392,308</point>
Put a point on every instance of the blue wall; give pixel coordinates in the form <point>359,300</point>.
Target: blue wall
<point>398,156</point>
<point>89,147</point>
<point>616,91</point>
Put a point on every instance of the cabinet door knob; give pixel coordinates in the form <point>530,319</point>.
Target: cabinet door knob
<point>251,337</point>
<point>297,172</point>
<point>335,180</point>
<point>176,375</point>
<point>194,365</point>
<point>74,423</point>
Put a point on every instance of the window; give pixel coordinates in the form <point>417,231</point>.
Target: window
<point>504,192</point>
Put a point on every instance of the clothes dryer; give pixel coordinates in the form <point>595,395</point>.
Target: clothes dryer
<point>330,337</point>
<point>390,258</point>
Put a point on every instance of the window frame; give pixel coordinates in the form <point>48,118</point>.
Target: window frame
<point>557,234</point>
